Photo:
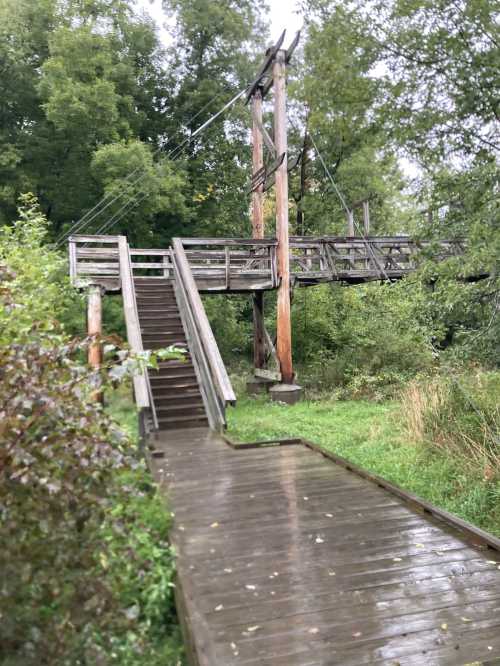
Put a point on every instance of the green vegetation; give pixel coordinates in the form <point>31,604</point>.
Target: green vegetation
<point>401,378</point>
<point>86,567</point>
<point>375,436</point>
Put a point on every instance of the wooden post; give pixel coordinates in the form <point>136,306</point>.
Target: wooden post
<point>259,352</point>
<point>350,223</point>
<point>94,328</point>
<point>94,324</point>
<point>257,163</point>
<point>366,217</point>
<point>284,329</point>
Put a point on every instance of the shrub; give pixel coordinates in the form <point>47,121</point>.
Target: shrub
<point>86,572</point>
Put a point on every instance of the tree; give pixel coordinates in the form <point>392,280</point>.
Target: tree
<point>215,51</point>
<point>342,123</point>
<point>79,75</point>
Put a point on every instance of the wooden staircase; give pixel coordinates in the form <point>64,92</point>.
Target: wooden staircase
<point>175,387</point>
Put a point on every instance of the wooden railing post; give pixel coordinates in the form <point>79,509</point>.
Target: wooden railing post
<point>366,216</point>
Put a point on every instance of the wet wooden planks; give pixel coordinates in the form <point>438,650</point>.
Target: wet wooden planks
<point>288,559</point>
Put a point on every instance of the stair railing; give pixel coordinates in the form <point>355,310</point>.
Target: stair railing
<point>142,385</point>
<point>215,384</point>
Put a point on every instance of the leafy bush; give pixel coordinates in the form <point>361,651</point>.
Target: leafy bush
<point>86,571</point>
<point>361,340</point>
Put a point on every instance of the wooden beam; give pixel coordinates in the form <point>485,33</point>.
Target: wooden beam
<point>259,351</point>
<point>284,329</point>
<point>94,330</point>
<point>257,163</point>
<point>259,344</point>
<point>94,324</point>
<point>366,216</point>
<point>350,223</point>
<point>134,336</point>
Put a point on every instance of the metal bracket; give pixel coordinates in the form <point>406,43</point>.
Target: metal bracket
<point>291,165</point>
<point>270,55</point>
<point>260,177</point>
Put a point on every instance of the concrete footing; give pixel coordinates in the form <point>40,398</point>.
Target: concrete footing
<point>258,385</point>
<point>287,393</point>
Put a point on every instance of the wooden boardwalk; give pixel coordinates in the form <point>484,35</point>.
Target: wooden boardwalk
<point>286,558</point>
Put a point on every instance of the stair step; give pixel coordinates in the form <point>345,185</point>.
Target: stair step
<point>179,397</point>
<point>153,313</point>
<point>178,422</point>
<point>187,407</point>
<point>161,319</point>
<point>172,375</point>
<point>159,336</point>
<point>166,386</point>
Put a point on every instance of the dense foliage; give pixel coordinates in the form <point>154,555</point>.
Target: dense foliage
<point>86,570</point>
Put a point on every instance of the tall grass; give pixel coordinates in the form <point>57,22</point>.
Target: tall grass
<point>460,415</point>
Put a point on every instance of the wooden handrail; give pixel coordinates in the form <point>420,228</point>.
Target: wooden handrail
<point>221,378</point>
<point>141,389</point>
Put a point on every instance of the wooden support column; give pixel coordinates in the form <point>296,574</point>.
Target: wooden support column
<point>94,324</point>
<point>257,164</point>
<point>350,223</point>
<point>366,217</point>
<point>259,351</point>
<point>284,329</point>
<point>94,328</point>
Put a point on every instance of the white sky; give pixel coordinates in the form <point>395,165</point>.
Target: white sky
<point>283,14</point>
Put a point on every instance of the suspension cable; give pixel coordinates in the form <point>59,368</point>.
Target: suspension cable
<point>86,219</point>
<point>135,200</point>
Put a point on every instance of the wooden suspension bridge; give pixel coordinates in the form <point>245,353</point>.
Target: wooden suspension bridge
<point>286,554</point>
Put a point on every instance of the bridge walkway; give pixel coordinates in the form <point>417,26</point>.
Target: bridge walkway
<point>288,558</point>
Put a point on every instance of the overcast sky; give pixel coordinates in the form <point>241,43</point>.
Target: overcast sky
<point>283,15</point>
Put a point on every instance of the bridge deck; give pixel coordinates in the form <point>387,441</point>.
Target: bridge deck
<point>286,558</point>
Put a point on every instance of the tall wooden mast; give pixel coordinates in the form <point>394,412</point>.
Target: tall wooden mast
<point>283,322</point>
<point>259,349</point>
<point>273,73</point>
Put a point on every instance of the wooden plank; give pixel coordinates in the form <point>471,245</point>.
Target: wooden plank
<point>132,320</point>
<point>264,242</point>
<point>96,252</point>
<point>72,262</point>
<point>294,560</point>
<point>94,239</point>
<point>146,253</point>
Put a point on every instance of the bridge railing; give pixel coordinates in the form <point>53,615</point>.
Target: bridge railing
<point>215,383</point>
<point>94,260</point>
<point>229,263</point>
<point>247,264</point>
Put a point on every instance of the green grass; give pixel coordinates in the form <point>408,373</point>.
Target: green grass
<point>371,435</point>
